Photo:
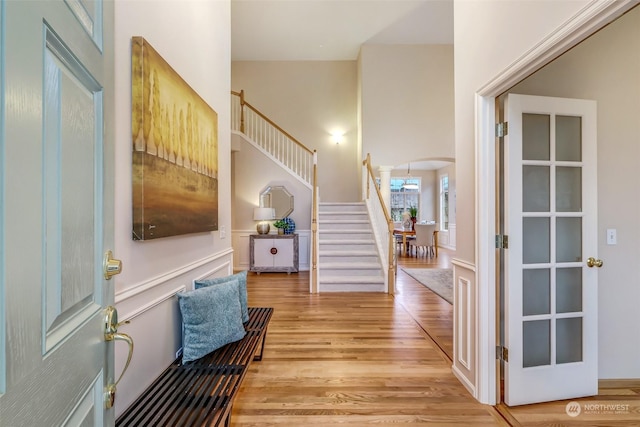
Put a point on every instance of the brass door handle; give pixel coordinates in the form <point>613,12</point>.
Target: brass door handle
<point>111,334</point>
<point>111,266</point>
<point>592,262</point>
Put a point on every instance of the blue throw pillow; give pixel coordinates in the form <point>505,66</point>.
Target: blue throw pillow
<point>242,288</point>
<point>211,318</point>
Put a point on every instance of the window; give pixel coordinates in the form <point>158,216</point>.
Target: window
<point>403,198</point>
<point>444,202</point>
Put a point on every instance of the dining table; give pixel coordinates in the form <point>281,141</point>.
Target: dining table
<point>404,233</point>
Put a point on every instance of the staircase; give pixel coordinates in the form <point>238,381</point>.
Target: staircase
<point>348,260</point>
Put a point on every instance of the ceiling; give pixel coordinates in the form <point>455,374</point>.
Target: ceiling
<point>333,30</point>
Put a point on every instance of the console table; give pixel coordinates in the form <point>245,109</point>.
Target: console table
<point>273,253</point>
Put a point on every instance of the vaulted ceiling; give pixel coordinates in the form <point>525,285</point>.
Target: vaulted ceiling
<point>301,30</point>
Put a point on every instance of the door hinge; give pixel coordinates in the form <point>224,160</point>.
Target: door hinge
<point>502,241</point>
<point>502,129</point>
<point>502,353</point>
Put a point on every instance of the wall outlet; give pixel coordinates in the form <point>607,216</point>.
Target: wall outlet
<point>179,352</point>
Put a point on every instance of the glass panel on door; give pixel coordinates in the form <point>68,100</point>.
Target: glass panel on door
<point>536,136</point>
<point>536,345</point>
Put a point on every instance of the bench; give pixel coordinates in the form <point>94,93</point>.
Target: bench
<point>200,392</point>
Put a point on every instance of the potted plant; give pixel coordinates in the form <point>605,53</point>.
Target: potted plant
<point>280,225</point>
<point>413,213</point>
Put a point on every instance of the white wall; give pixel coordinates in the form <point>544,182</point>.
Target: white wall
<point>406,102</point>
<point>310,100</point>
<point>194,39</point>
<point>605,68</point>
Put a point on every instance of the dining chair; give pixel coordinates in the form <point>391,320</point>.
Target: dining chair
<point>424,239</point>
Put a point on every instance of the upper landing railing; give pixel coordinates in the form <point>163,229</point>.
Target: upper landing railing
<point>245,118</point>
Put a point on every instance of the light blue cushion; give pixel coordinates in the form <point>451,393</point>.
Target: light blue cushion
<point>211,318</point>
<point>242,288</point>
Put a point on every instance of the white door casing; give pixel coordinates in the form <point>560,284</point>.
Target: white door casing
<point>550,219</point>
<point>58,222</point>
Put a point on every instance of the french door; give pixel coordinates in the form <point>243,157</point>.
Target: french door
<point>550,217</point>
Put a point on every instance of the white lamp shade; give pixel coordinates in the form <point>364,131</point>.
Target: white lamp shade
<point>262,214</point>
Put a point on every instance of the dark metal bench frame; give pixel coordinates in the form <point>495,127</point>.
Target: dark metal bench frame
<point>201,392</point>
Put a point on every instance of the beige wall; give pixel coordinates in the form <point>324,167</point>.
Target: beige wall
<point>310,100</point>
<point>488,36</point>
<point>605,68</point>
<point>194,39</point>
<point>406,102</point>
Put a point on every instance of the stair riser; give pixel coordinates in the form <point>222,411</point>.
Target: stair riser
<point>346,246</point>
<point>330,207</point>
<point>331,226</point>
<point>346,287</point>
<point>339,216</point>
<point>355,272</point>
<point>346,259</point>
<point>344,235</point>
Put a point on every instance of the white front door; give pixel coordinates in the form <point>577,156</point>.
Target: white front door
<point>551,293</point>
<point>55,225</point>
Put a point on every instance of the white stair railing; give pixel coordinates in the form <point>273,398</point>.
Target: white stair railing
<point>275,141</point>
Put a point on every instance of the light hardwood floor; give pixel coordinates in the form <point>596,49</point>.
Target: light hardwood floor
<point>365,359</point>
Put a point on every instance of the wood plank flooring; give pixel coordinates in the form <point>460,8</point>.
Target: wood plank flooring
<point>364,359</point>
<point>349,358</point>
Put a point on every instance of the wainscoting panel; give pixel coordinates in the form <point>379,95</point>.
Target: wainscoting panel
<point>156,323</point>
<point>464,325</point>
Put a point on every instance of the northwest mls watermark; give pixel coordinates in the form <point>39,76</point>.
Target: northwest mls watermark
<point>573,409</point>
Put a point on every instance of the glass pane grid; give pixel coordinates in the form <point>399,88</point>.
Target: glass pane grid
<point>552,307</point>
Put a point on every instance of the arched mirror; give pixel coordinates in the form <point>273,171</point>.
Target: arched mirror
<point>279,198</point>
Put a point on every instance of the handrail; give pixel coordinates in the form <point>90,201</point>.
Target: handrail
<point>387,240</point>
<point>267,119</point>
<point>288,151</point>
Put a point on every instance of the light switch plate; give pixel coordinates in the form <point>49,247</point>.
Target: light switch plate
<point>223,232</point>
<point>612,237</point>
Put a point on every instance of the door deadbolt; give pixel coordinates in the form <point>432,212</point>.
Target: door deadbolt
<point>111,266</point>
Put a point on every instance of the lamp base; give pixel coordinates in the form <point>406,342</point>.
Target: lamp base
<point>263,227</point>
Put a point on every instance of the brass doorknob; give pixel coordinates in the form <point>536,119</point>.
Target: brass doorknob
<point>111,266</point>
<point>592,262</point>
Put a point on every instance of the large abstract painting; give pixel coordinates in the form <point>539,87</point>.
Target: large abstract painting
<point>175,151</point>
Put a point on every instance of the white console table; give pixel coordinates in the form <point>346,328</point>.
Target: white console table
<point>273,253</point>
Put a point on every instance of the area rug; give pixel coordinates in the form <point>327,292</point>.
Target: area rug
<point>439,280</point>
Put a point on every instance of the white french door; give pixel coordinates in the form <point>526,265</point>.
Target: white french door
<point>550,218</point>
<point>57,221</point>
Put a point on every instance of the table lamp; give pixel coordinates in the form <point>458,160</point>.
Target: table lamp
<point>263,215</point>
